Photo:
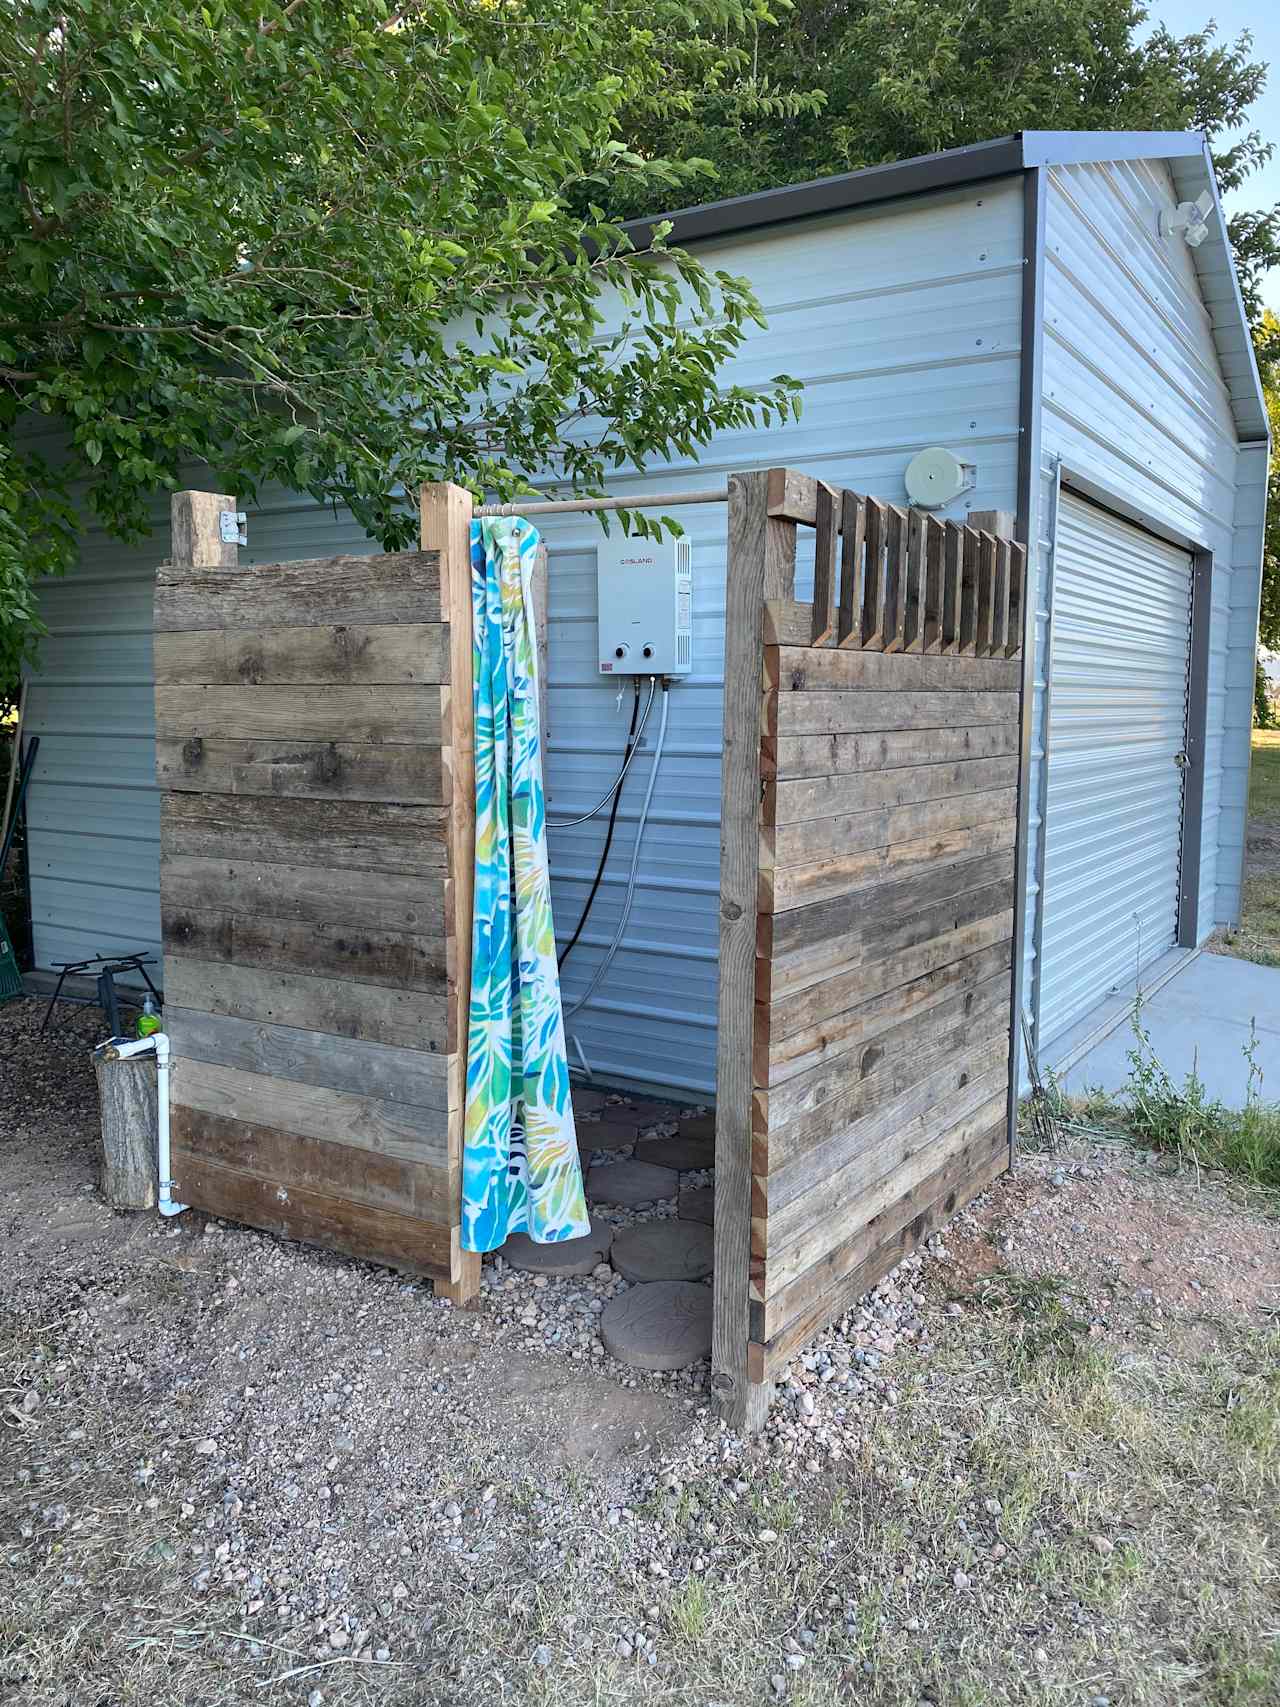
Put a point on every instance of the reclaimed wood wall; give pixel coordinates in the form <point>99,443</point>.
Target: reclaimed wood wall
<point>871,783</point>
<point>305,749</point>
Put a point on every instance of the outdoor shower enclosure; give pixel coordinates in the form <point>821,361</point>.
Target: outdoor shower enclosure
<point>314,730</point>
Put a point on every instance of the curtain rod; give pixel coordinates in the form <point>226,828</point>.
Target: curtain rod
<point>567,506</point>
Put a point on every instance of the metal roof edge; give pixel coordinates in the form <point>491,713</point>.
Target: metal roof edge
<point>956,166</point>
<point>1248,431</point>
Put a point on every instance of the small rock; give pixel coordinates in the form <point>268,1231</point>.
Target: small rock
<point>542,1655</point>
<point>961,1580</point>
<point>205,1447</point>
<point>316,1697</point>
<point>1102,1545</point>
<point>767,1535</point>
<point>338,1638</point>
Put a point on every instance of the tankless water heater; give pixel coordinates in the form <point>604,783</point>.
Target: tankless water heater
<point>644,593</point>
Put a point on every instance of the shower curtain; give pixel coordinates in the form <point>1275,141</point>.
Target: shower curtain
<point>520,1162</point>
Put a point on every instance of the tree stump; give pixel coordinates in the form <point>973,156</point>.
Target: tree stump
<point>127,1099</point>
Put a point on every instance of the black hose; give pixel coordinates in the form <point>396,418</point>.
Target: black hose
<point>608,838</point>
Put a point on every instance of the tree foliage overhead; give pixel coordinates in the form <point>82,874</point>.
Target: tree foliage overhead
<point>345,248</point>
<point>895,78</point>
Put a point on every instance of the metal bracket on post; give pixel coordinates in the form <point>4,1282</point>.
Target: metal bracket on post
<point>232,527</point>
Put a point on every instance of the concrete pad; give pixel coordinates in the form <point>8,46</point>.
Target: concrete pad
<point>663,1250</point>
<point>1201,1017</point>
<point>664,1326</point>
<point>630,1183</point>
<point>698,1205</point>
<point>683,1153</point>
<point>568,1256</point>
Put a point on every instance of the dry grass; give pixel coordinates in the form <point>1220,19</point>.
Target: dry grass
<point>1039,1520</point>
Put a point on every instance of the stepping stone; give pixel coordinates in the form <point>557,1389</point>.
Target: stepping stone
<point>606,1134</point>
<point>698,1126</point>
<point>682,1153</point>
<point>630,1182</point>
<point>663,1250</point>
<point>568,1256</point>
<point>663,1326</point>
<point>586,1100</point>
<point>647,1112</point>
<point>698,1205</point>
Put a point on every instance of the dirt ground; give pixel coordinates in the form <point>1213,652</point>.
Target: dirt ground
<point>1041,1464</point>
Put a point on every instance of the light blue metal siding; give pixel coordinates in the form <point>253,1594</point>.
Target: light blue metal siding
<point>1135,402</point>
<point>93,811</point>
<point>902,321</point>
<point>904,324</point>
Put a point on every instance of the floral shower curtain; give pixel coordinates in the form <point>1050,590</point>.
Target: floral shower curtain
<point>520,1163</point>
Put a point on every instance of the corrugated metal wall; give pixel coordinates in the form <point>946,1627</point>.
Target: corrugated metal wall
<point>1135,401</point>
<point>1117,724</point>
<point>904,324</point>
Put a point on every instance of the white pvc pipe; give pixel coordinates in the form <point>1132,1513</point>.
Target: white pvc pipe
<point>159,1042</point>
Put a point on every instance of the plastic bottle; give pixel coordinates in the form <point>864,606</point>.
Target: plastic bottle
<point>148,1019</point>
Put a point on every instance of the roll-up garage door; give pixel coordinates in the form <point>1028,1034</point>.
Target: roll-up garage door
<point>1121,642</point>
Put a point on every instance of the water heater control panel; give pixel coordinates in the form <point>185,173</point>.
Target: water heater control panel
<point>644,592</point>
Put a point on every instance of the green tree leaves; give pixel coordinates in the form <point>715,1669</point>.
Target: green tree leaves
<point>348,249</point>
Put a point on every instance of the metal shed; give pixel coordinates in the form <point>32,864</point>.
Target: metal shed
<point>1035,305</point>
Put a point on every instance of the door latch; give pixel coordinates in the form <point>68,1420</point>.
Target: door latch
<point>232,528</point>
<point>1181,760</point>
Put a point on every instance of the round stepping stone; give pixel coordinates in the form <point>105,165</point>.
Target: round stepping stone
<point>682,1153</point>
<point>698,1205</point>
<point>663,1326</point>
<point>630,1182</point>
<point>663,1250</point>
<point>567,1256</point>
<point>606,1134</point>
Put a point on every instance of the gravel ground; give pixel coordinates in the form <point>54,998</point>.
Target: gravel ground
<point>235,1469</point>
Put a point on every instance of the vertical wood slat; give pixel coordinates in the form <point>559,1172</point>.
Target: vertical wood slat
<point>932,625</point>
<point>761,565</point>
<point>985,626</point>
<point>853,516</point>
<point>825,572</point>
<point>445,522</point>
<point>873,577</point>
<point>895,579</point>
<point>915,595</point>
<point>1017,594</point>
<point>967,630</point>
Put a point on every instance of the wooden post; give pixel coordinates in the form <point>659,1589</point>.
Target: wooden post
<point>761,566</point>
<point>127,1101</point>
<point>195,536</point>
<point>445,518</point>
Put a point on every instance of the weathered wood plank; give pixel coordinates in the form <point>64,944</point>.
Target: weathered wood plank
<point>307,894</point>
<point>367,836</point>
<point>825,573</point>
<point>853,569</point>
<point>849,919</point>
<point>378,1013</point>
<point>793,496</point>
<point>400,586</point>
<point>934,586</point>
<point>823,797</point>
<point>861,1024</point>
<point>826,879</point>
<point>812,1003</point>
<point>355,653</point>
<point>380,1182</point>
<point>361,1123</point>
<point>414,1076</point>
<point>873,617</point>
<point>388,716</point>
<point>879,1247</point>
<point>335,1224</point>
<point>952,586</point>
<point>829,755</point>
<point>911,1040</point>
<point>830,1180</point>
<point>330,951</point>
<point>895,578</point>
<point>897,830</point>
<point>801,669</point>
<point>857,713</point>
<point>302,769</point>
<point>753,577</point>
